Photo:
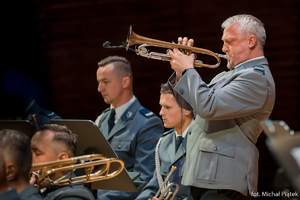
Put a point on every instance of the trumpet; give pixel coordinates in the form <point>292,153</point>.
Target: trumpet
<point>133,39</point>
<point>96,168</point>
<point>167,194</point>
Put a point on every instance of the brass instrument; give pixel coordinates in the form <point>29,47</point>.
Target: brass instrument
<point>170,195</point>
<point>134,38</point>
<point>89,163</point>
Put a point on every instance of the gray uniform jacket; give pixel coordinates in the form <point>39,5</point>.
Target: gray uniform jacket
<point>133,138</point>
<point>168,157</point>
<point>73,191</point>
<point>10,194</point>
<point>222,154</point>
<point>30,193</point>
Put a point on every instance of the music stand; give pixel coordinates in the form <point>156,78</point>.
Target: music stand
<point>23,126</point>
<point>273,128</point>
<point>91,140</point>
<point>284,145</point>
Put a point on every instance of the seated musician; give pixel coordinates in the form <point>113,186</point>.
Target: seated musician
<point>6,192</point>
<point>18,159</point>
<point>54,142</point>
<point>166,151</point>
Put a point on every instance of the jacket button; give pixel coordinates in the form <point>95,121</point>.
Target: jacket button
<point>190,133</point>
<point>181,91</point>
<point>216,149</point>
<point>119,146</point>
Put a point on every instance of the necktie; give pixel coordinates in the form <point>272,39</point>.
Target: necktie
<point>111,119</point>
<point>178,142</point>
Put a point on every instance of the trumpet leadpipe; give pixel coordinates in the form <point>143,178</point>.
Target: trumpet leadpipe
<point>223,56</point>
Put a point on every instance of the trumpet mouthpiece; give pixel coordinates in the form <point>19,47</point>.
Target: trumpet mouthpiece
<point>223,56</point>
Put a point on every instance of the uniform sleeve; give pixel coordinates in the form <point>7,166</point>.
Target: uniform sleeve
<point>242,95</point>
<point>145,151</point>
<point>150,189</point>
<point>147,139</point>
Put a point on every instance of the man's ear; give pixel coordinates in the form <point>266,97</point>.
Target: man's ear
<point>251,41</point>
<point>11,171</point>
<point>62,156</point>
<point>186,112</point>
<point>126,82</point>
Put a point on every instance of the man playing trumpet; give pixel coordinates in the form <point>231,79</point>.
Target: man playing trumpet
<point>222,159</point>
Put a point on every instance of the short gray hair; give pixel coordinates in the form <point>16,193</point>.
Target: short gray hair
<point>249,24</point>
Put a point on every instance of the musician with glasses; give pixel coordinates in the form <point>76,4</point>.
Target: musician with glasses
<point>222,159</point>
<point>53,142</point>
<point>18,159</point>
<point>170,149</point>
<point>131,129</point>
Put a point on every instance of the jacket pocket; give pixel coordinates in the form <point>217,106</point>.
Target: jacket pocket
<point>120,145</point>
<point>215,161</point>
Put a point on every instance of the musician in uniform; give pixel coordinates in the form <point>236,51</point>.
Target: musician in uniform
<point>131,129</point>
<point>6,193</point>
<point>54,142</point>
<point>18,159</point>
<point>170,149</point>
<point>222,159</point>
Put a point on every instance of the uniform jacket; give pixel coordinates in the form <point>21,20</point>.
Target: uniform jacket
<point>10,194</point>
<point>42,115</point>
<point>30,193</point>
<point>73,191</point>
<point>221,151</point>
<point>168,157</point>
<point>133,138</point>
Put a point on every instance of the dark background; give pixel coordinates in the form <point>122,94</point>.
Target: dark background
<point>50,51</point>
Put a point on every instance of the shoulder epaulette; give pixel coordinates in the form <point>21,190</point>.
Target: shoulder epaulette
<point>147,113</point>
<point>106,110</point>
<point>168,132</point>
<point>49,114</point>
<point>259,69</point>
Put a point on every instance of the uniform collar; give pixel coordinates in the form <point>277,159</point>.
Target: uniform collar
<point>253,59</point>
<point>183,133</point>
<point>121,109</point>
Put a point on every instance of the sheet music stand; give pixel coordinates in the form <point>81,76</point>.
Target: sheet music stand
<point>91,140</point>
<point>21,125</point>
<point>273,128</point>
<point>282,141</point>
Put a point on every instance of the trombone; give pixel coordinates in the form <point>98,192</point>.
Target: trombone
<point>133,39</point>
<point>89,163</point>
